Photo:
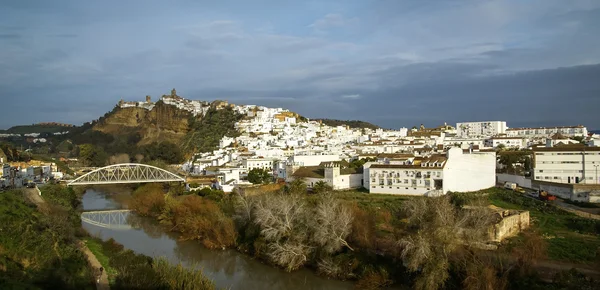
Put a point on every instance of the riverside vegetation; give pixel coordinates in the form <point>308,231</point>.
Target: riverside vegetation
<point>38,250</point>
<point>427,243</point>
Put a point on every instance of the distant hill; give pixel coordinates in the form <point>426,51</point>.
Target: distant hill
<point>350,123</point>
<point>38,128</point>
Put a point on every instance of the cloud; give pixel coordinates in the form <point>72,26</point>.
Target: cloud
<point>351,97</point>
<point>408,62</point>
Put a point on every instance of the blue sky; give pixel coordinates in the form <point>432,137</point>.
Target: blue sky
<point>395,63</point>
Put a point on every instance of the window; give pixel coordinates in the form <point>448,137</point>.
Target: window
<point>427,183</point>
<point>405,180</point>
<point>373,180</point>
<point>389,182</point>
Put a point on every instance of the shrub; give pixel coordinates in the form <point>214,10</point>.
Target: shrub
<point>201,219</point>
<point>148,200</point>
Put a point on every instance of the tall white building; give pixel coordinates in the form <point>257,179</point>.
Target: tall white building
<point>567,164</point>
<point>480,129</point>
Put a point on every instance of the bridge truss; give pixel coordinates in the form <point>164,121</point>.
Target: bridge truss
<point>111,219</point>
<point>126,173</point>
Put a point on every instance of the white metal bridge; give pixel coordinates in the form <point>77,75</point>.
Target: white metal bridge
<point>126,173</point>
<point>111,219</point>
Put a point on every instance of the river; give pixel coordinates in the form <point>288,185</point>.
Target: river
<point>229,269</point>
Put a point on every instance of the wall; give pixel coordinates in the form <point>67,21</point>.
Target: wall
<point>470,171</point>
<point>397,189</point>
<point>313,160</point>
<point>510,225</point>
<point>521,181</point>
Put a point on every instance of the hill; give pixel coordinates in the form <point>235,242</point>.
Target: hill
<point>350,123</point>
<point>38,128</point>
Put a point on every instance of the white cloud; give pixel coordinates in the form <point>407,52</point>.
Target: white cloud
<point>351,97</point>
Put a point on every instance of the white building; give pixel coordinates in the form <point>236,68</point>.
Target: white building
<point>433,175</point>
<point>508,142</point>
<point>480,129</point>
<point>547,131</point>
<point>261,163</point>
<point>313,159</point>
<point>337,174</point>
<point>567,164</point>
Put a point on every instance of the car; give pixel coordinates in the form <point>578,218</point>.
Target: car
<point>31,185</point>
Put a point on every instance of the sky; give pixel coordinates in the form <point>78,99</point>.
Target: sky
<point>391,62</point>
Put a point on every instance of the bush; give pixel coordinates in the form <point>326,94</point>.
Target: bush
<point>37,251</point>
<point>200,219</point>
<point>148,200</point>
<point>583,225</point>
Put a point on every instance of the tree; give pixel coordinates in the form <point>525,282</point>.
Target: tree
<point>297,186</point>
<point>92,155</point>
<point>282,225</point>
<point>259,176</point>
<point>321,187</point>
<point>332,224</point>
<point>436,230</point>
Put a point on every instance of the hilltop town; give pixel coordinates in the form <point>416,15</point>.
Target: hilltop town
<point>406,161</point>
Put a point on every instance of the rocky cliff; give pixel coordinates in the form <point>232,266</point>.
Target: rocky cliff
<point>162,123</point>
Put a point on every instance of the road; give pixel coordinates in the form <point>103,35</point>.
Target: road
<point>33,195</point>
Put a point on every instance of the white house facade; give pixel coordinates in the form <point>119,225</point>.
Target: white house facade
<point>433,175</point>
<point>567,164</point>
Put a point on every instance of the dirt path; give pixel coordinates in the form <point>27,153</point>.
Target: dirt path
<point>102,283</point>
<point>33,195</point>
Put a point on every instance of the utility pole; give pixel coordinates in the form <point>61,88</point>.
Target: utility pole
<point>596,167</point>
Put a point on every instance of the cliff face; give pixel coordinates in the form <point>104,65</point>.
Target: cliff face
<point>162,123</point>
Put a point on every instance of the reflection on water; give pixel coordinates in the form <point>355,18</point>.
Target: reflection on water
<point>229,269</point>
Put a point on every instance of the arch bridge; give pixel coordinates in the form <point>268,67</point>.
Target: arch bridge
<point>126,173</point>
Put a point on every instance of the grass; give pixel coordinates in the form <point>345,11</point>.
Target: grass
<point>570,238</point>
<point>373,201</point>
<point>95,246</point>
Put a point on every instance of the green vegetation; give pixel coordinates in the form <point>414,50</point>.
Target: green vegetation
<point>95,245</point>
<point>205,133</point>
<point>569,237</point>
<point>38,250</point>
<point>128,270</point>
<point>259,176</point>
<point>194,217</point>
<point>12,154</point>
<point>515,161</point>
<point>165,151</point>
<point>373,201</point>
<point>351,123</point>
<point>321,187</point>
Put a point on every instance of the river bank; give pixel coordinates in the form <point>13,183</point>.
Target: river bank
<point>228,269</point>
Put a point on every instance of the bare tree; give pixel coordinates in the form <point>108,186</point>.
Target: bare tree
<point>281,218</point>
<point>436,229</point>
<point>332,224</point>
